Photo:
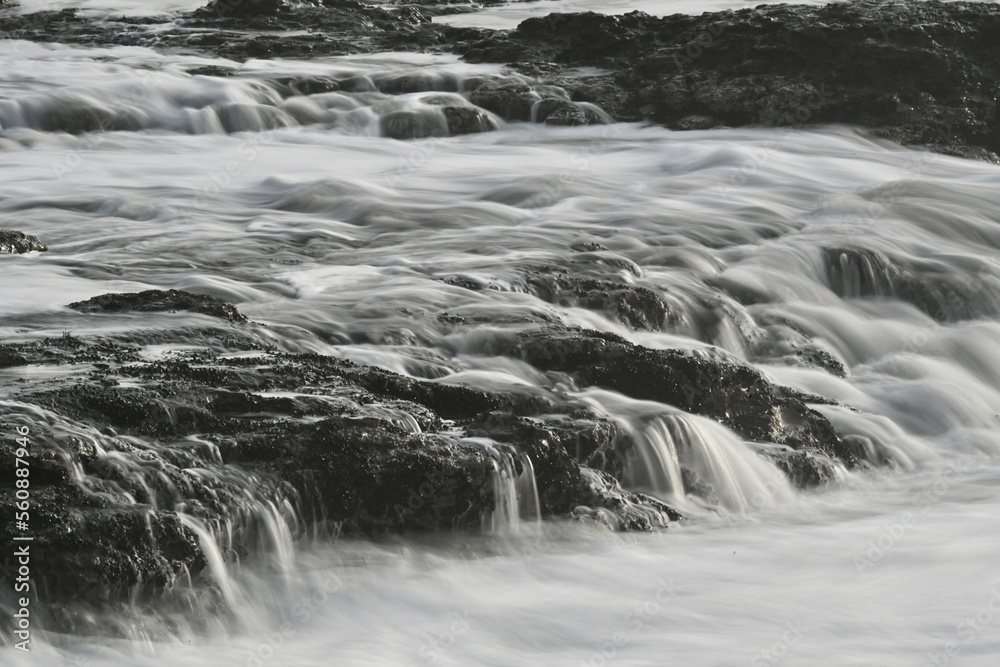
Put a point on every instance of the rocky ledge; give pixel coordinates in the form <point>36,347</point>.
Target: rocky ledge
<point>135,452</point>
<point>920,73</point>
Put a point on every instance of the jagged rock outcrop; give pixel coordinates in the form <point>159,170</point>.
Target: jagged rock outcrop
<point>18,243</point>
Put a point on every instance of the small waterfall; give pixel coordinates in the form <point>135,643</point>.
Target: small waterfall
<point>718,465</point>
<point>515,492</point>
<point>603,115</point>
<point>534,111</point>
<point>675,456</point>
<point>656,466</point>
<point>236,518</point>
<point>527,490</point>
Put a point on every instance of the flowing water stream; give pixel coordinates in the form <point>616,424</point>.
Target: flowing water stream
<point>774,247</point>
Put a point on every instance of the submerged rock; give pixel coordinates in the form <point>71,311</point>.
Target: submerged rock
<point>160,301</point>
<point>412,124</point>
<point>17,243</point>
<point>609,504</point>
<point>511,100</point>
<point>468,120</point>
<point>931,287</point>
<point>634,305</point>
<point>559,112</point>
<point>737,396</point>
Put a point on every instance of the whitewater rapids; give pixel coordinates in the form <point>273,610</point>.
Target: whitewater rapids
<point>766,241</point>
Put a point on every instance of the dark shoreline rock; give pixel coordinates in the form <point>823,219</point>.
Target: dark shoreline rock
<point>916,72</point>
<point>348,449</point>
<point>151,301</point>
<point>18,243</point>
<point>919,73</point>
<point>737,396</point>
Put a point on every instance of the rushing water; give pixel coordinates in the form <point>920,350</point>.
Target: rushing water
<point>770,243</point>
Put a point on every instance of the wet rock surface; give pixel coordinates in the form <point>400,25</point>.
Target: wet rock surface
<point>18,243</point>
<point>920,73</point>
<point>508,99</point>
<point>738,396</point>
<point>915,72</point>
<point>136,454</point>
<point>636,306</point>
<point>160,301</point>
<point>467,120</point>
<point>865,274</point>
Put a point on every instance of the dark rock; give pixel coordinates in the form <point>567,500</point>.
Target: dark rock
<point>783,343</point>
<point>412,124</point>
<point>916,72</point>
<point>926,284</point>
<point>249,7</point>
<point>90,543</point>
<point>607,503</point>
<point>567,116</point>
<point>511,100</point>
<point>133,410</point>
<point>550,105</point>
<point>468,120</point>
<point>561,112</point>
<point>466,282</point>
<point>17,243</point>
<point>738,396</point>
<point>587,246</point>
<point>371,476</point>
<point>550,446</point>
<point>311,85</point>
<point>696,122</point>
<point>346,448</point>
<point>634,305</point>
<point>160,301</point>
<point>805,468</point>
<point>212,70</point>
<point>418,82</point>
<point>9,357</point>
